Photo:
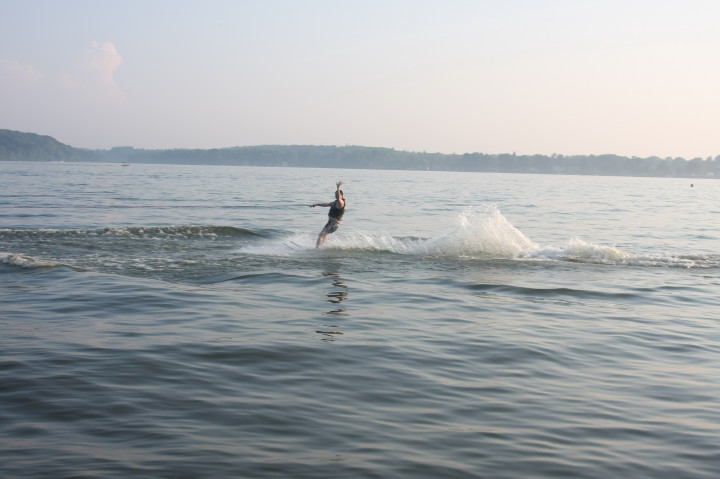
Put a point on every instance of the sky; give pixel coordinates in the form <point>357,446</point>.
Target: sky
<point>573,77</point>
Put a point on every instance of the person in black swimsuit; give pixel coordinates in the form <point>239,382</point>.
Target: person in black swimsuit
<point>337,208</point>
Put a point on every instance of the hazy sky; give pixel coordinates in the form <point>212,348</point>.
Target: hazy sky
<point>630,77</point>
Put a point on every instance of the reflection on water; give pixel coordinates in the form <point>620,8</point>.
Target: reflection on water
<point>338,294</point>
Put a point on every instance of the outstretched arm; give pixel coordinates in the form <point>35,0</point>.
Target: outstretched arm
<point>320,204</point>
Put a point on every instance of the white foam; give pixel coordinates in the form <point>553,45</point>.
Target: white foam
<point>370,242</point>
<point>25,261</point>
<point>581,251</point>
<point>281,247</point>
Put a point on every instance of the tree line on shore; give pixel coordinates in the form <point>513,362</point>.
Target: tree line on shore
<point>19,146</point>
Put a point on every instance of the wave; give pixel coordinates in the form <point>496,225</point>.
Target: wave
<point>144,232</point>
<point>481,233</point>
<point>12,259</point>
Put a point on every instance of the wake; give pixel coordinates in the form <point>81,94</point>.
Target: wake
<point>481,232</point>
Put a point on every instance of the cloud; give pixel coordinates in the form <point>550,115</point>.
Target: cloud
<point>92,75</point>
<point>12,72</point>
<point>41,98</point>
<point>105,58</point>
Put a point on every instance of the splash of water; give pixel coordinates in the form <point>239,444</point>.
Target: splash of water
<point>482,232</point>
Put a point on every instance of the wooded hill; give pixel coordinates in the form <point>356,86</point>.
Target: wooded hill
<point>19,146</point>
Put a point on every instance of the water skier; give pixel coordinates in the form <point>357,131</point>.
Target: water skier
<point>337,208</point>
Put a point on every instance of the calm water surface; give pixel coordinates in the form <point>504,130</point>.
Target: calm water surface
<point>176,321</point>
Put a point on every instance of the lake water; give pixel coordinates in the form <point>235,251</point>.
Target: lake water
<point>176,322</point>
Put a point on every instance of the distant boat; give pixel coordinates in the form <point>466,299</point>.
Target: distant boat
<point>126,164</point>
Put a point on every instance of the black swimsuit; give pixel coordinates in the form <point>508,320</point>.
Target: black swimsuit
<point>334,217</point>
<point>335,211</point>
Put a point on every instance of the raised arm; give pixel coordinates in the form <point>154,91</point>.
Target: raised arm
<point>339,195</point>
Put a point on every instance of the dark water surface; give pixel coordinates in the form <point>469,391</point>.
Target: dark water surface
<point>175,321</point>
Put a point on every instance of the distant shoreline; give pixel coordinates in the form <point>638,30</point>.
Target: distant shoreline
<point>21,146</point>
